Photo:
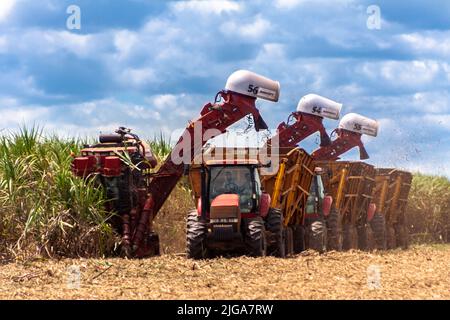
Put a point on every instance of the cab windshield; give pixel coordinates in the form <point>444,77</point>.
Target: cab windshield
<point>233,180</point>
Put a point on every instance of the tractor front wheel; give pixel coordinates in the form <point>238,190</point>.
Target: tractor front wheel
<point>196,232</point>
<point>255,237</point>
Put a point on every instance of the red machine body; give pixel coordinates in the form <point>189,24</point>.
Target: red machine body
<point>290,135</point>
<point>345,141</point>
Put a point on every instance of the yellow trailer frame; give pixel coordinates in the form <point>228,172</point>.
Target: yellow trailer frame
<point>391,193</point>
<point>351,185</point>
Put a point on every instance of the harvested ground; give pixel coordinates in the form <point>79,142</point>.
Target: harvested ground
<point>422,272</point>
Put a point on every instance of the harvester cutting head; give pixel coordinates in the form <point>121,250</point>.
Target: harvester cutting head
<point>350,130</point>
<point>319,106</point>
<point>253,85</point>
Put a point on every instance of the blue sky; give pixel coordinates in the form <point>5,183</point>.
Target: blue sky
<point>151,65</point>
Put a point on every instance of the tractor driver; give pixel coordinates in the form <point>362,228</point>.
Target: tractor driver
<point>230,186</point>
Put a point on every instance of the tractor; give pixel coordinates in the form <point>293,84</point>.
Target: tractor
<point>231,207</point>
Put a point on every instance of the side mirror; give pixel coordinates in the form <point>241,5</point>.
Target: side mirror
<point>326,206</point>
<point>264,204</point>
<point>371,211</point>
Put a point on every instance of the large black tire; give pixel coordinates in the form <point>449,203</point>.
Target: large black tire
<point>317,235</point>
<point>255,237</point>
<point>391,241</point>
<point>350,237</point>
<point>334,231</point>
<point>289,241</point>
<point>365,238</point>
<point>378,225</point>
<point>402,236</point>
<point>298,233</point>
<point>196,232</point>
<point>274,225</point>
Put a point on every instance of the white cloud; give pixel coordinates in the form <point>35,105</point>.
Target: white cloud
<point>272,52</point>
<point>434,43</point>
<point>287,4</point>
<point>254,30</point>
<point>164,101</point>
<point>136,77</point>
<point>415,73</point>
<point>124,42</point>
<point>207,7</point>
<point>6,7</point>
<point>13,117</point>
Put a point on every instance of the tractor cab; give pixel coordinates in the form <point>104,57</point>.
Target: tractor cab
<point>230,207</point>
<point>318,205</point>
<point>241,179</point>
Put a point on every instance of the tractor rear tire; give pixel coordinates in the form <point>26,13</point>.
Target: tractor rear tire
<point>391,241</point>
<point>196,232</point>
<point>298,232</point>
<point>402,236</point>
<point>334,231</point>
<point>350,237</point>
<point>317,235</point>
<point>255,237</point>
<point>289,241</point>
<point>274,225</point>
<point>378,225</point>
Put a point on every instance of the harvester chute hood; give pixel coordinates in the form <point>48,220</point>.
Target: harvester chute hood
<point>350,130</point>
<point>253,85</point>
<point>319,106</point>
<point>359,124</point>
<point>311,110</point>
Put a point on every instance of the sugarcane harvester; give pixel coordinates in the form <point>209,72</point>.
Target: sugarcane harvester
<point>350,183</point>
<point>144,199</point>
<point>305,223</point>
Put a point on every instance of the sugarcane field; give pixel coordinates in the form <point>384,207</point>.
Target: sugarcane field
<point>224,150</point>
